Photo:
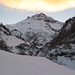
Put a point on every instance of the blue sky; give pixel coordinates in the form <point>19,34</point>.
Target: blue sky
<point>16,16</point>
<point>11,16</point>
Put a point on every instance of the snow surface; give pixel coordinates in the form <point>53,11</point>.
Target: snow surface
<point>12,64</point>
<point>56,25</point>
<point>67,62</point>
<point>11,40</point>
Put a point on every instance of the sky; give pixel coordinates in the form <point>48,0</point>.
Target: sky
<point>13,11</point>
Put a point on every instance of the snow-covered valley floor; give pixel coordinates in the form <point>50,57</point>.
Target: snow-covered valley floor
<point>12,64</point>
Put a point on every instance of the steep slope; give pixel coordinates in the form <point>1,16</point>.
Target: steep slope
<point>12,64</point>
<point>7,40</point>
<point>67,33</point>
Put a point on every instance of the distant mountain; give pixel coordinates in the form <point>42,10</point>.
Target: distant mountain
<point>40,35</point>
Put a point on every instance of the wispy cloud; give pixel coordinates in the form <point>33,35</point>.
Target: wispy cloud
<point>39,5</point>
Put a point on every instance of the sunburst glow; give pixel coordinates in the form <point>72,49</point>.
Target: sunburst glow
<point>39,5</point>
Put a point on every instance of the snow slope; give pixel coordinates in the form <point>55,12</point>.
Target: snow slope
<point>9,39</point>
<point>12,64</point>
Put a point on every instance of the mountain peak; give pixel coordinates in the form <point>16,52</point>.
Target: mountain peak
<point>42,16</point>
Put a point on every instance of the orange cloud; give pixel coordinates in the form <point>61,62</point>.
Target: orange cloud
<point>56,2</point>
<point>39,5</point>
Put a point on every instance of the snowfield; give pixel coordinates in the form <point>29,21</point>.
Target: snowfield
<point>12,40</point>
<point>12,64</point>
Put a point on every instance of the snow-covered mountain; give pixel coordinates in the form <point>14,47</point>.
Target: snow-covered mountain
<point>36,31</point>
<point>65,38</point>
<point>40,35</point>
<point>39,25</point>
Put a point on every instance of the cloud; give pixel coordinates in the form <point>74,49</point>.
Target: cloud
<point>56,2</point>
<point>39,5</point>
